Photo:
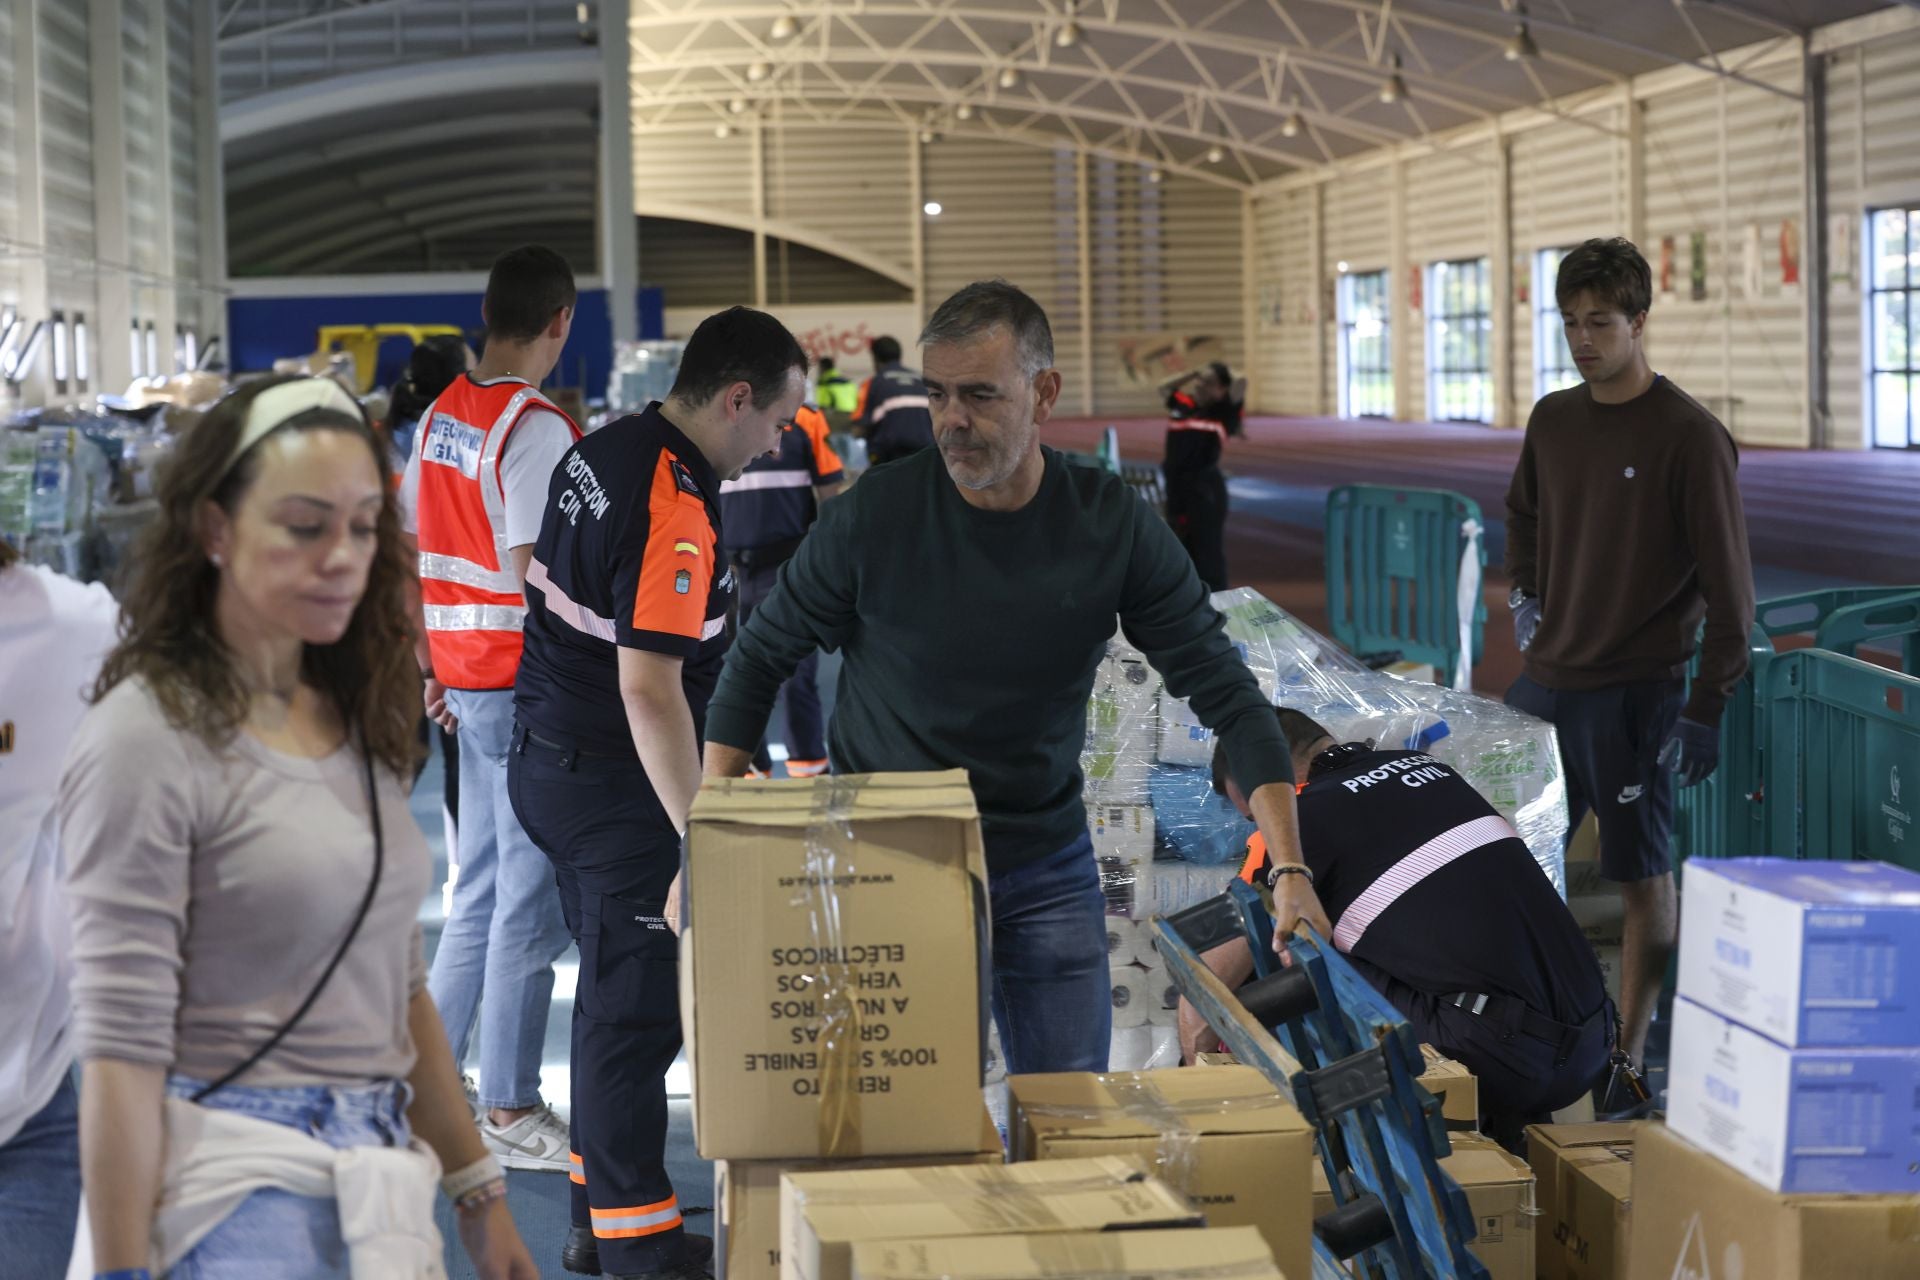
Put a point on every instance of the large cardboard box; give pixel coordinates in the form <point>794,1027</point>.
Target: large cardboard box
<point>1795,1119</point>
<point>1694,1218</point>
<point>1221,1253</point>
<point>1224,1137</point>
<point>1583,1182</point>
<point>833,1007</point>
<point>1806,953</point>
<point>1454,1085</point>
<point>746,1200</point>
<point>824,1215</point>
<point>1499,1187</point>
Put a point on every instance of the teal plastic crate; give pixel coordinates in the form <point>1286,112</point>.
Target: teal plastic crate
<point>1394,560</point>
<point>1842,763</point>
<point>1724,817</point>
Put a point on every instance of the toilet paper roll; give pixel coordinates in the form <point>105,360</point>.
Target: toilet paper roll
<point>1132,997</point>
<point>1165,1051</point>
<point>1130,1049</point>
<point>1129,942</point>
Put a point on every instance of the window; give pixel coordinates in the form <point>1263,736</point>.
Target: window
<point>1893,377</point>
<point>82,356</point>
<point>189,350</point>
<point>138,352</point>
<point>62,352</point>
<point>1366,360</point>
<point>1460,341</point>
<point>153,352</point>
<point>1553,367</point>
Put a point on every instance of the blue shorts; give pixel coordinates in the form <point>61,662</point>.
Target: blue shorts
<point>1610,742</point>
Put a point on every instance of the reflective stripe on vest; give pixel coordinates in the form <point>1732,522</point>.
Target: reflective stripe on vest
<point>472,601</point>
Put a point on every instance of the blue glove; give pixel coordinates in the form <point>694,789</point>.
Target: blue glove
<point>1526,621</point>
<point>1693,751</point>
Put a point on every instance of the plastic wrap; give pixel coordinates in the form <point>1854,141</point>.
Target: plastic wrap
<point>642,373</point>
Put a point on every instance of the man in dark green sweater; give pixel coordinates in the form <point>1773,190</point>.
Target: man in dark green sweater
<point>971,589</point>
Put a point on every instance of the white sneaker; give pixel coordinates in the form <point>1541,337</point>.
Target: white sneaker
<point>471,1087</point>
<point>536,1142</point>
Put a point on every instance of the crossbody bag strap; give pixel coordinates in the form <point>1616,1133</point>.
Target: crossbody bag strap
<point>326,975</point>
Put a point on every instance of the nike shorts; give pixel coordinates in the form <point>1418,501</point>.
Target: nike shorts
<point>1610,742</point>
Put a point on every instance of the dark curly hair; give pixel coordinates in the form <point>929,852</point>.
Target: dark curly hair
<point>167,633</point>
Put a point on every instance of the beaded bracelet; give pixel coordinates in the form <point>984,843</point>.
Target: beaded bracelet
<point>482,1171</point>
<point>481,1196</point>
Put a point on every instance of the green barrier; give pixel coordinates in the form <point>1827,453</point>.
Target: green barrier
<point>1724,817</point>
<point>1395,565</point>
<point>1842,759</point>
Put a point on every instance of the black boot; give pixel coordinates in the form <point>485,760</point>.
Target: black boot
<point>698,1264</point>
<point>581,1253</point>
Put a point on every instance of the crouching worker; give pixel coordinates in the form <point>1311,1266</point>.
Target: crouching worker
<point>1437,901</point>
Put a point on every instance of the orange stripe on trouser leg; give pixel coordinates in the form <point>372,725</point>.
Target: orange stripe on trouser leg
<point>577,1170</point>
<point>643,1220</point>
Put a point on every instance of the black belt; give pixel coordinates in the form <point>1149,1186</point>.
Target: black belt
<point>564,749</point>
<point>1517,1018</point>
<point>774,553</point>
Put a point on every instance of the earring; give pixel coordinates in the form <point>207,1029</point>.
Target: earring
<point>216,559</point>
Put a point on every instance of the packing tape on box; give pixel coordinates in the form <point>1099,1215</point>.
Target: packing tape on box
<point>954,1187</point>
<point>829,860</point>
<point>1132,996</point>
<point>1096,1257</point>
<point>1139,1098</point>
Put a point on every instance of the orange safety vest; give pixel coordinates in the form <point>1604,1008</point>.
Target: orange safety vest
<point>1256,858</point>
<point>471,596</point>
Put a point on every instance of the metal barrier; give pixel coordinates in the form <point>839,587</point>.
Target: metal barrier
<point>1724,816</point>
<point>1843,747</point>
<point>1350,1063</point>
<point>1404,568</point>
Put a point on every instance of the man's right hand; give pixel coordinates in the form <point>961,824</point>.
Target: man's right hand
<point>1526,621</point>
<point>433,696</point>
<point>1295,902</point>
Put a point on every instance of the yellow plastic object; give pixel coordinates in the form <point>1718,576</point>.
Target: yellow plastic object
<point>362,342</point>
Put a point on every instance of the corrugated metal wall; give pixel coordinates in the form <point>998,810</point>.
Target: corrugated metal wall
<point>160,269</point>
<point>1286,311</point>
<point>1873,162</point>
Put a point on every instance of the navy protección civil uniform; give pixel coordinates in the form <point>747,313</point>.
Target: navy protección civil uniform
<point>630,555</point>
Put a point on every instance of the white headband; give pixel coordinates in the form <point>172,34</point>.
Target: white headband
<point>277,405</point>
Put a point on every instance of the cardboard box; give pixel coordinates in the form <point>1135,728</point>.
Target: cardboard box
<point>1696,1219</point>
<point>824,1215</point>
<point>1454,1085</point>
<point>1221,1253</point>
<point>1807,953</point>
<point>1215,1060</point>
<point>1225,1138</point>
<point>746,1200</point>
<point>1123,832</point>
<point>1808,1119</point>
<point>1499,1187</point>
<point>1583,1183</point>
<point>846,1034</point>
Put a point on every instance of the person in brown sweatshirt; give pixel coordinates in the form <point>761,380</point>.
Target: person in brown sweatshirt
<point>1624,531</point>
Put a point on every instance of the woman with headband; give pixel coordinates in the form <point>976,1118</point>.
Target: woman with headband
<point>266,1086</point>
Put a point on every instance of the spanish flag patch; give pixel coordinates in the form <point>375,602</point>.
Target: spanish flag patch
<point>685,548</point>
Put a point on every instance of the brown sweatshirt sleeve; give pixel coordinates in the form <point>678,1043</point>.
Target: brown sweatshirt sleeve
<point>1716,530</point>
<point>1523,521</point>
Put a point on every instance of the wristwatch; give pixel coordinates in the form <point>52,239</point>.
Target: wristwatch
<point>1517,598</point>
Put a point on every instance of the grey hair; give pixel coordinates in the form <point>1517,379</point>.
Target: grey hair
<point>989,304</point>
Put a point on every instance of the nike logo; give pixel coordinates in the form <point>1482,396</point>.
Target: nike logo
<point>1631,794</point>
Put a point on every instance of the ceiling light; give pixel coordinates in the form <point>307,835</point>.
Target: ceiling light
<point>928,135</point>
<point>1341,267</point>
<point>1291,126</point>
<point>582,14</point>
<point>1153,176</point>
<point>759,71</point>
<point>737,106</point>
<point>931,208</point>
<point>963,112</point>
<point>1393,88</point>
<point>723,131</point>
<point>1215,155</point>
<point>1068,35</point>
<point>1522,45</point>
<point>1009,77</point>
<point>784,27</point>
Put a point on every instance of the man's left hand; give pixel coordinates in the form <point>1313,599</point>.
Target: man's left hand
<point>1693,752</point>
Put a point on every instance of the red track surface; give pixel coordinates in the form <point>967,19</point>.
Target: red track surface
<point>1849,516</point>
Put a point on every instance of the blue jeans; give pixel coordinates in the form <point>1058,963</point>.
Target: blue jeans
<point>276,1233</point>
<point>1052,997</point>
<point>40,1189</point>
<point>496,954</point>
